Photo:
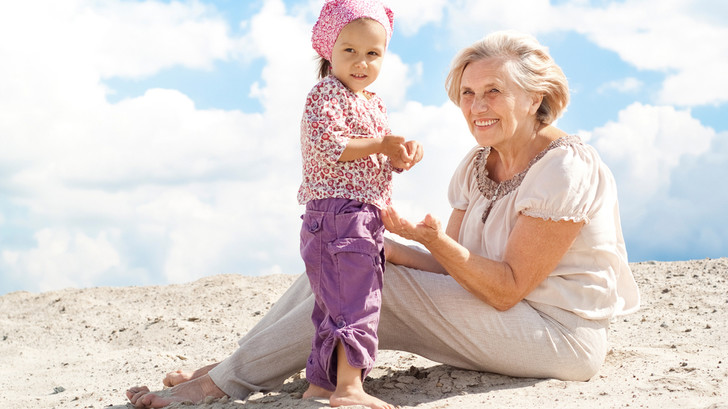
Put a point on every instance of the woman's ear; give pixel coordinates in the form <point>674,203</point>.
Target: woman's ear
<point>536,100</point>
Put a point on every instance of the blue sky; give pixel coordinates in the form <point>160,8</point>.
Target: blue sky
<point>152,142</point>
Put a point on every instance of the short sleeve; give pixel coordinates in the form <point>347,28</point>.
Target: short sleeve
<point>464,181</point>
<point>324,122</point>
<point>568,183</point>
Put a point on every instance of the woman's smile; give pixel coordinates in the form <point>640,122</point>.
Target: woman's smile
<point>485,122</point>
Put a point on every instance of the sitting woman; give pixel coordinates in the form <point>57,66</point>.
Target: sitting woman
<point>523,280</point>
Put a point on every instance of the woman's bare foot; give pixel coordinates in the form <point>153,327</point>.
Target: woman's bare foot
<point>357,396</point>
<point>314,391</point>
<point>179,376</point>
<point>195,391</point>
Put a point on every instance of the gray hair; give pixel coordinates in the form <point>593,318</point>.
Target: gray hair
<point>528,63</point>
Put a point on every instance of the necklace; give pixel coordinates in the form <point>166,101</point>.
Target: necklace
<point>495,191</point>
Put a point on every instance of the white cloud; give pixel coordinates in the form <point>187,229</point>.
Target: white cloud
<point>188,192</point>
<point>624,85</point>
<point>410,16</point>
<point>394,80</point>
<point>470,20</point>
<point>666,163</point>
<point>284,41</point>
<point>63,258</point>
<point>683,40</point>
<point>682,89</point>
<point>155,187</point>
<point>644,149</point>
<point>446,139</point>
<point>679,41</point>
<point>133,39</point>
<point>149,168</point>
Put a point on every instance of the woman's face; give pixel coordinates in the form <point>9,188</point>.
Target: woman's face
<point>495,107</point>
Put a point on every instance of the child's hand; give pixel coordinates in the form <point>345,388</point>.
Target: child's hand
<point>414,154</point>
<point>409,156</point>
<point>393,146</point>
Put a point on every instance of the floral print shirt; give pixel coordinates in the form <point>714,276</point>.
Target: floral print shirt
<point>333,115</point>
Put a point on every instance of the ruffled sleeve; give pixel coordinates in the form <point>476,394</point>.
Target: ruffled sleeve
<point>566,184</point>
<point>463,182</point>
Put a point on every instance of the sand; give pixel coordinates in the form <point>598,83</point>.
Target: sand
<point>81,348</point>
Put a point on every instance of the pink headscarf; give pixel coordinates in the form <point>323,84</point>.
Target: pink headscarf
<point>338,13</point>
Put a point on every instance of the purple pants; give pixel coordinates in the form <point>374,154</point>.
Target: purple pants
<point>342,245</point>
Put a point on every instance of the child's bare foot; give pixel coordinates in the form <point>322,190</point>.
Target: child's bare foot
<point>314,391</point>
<point>349,387</point>
<point>195,391</point>
<point>179,376</point>
<point>356,396</point>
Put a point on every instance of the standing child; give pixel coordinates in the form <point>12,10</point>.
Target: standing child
<point>348,159</point>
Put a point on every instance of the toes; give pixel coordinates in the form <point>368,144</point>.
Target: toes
<point>136,400</point>
<point>135,392</point>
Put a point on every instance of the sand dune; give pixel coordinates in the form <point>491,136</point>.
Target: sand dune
<point>82,348</point>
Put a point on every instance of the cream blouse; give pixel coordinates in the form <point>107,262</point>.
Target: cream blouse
<point>567,181</point>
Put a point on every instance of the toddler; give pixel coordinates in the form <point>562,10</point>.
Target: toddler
<point>348,159</point>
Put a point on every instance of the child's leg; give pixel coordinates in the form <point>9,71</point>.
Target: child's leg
<point>349,386</point>
<point>343,251</point>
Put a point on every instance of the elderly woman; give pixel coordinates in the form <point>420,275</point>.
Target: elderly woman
<point>523,280</point>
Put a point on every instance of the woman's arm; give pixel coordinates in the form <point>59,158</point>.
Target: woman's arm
<point>398,253</point>
<point>404,255</point>
<point>534,249</point>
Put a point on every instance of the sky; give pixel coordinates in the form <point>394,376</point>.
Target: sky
<point>156,142</point>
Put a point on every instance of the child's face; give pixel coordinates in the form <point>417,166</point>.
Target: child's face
<point>358,52</point>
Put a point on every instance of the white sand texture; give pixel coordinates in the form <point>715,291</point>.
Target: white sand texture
<point>82,348</point>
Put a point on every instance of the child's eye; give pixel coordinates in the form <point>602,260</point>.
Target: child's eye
<point>373,53</point>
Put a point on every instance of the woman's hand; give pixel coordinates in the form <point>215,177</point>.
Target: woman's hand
<point>410,256</point>
<point>424,232</point>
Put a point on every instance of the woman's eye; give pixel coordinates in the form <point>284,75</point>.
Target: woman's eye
<point>494,91</point>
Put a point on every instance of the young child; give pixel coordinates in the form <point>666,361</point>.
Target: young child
<point>348,160</point>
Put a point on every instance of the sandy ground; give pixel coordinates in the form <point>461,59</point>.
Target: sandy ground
<point>82,348</point>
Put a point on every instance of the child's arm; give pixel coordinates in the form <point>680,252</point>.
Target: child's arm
<point>390,145</point>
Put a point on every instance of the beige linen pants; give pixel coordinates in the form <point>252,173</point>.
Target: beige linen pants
<point>430,315</point>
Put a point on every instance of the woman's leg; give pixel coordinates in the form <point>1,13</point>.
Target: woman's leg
<point>433,316</point>
<point>429,315</point>
<point>271,351</point>
<point>276,348</point>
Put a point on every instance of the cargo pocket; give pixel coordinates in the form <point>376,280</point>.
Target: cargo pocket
<point>311,247</point>
<point>356,259</point>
